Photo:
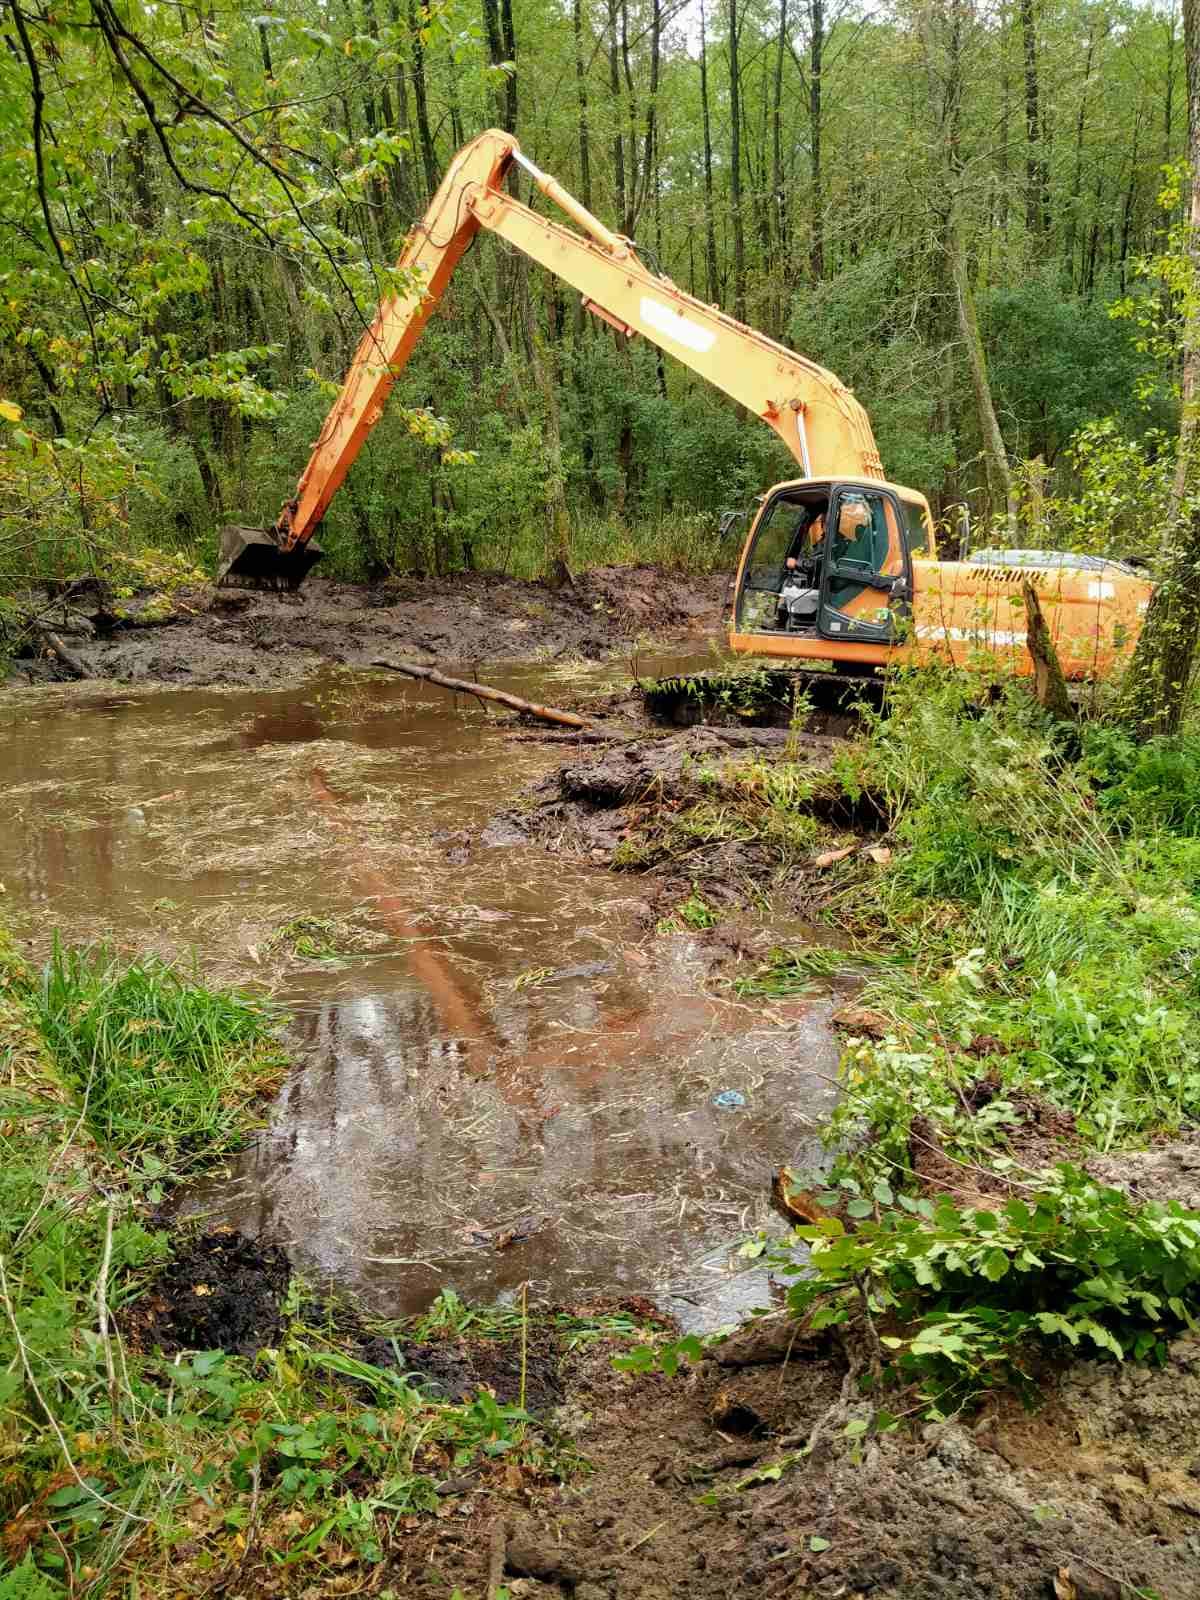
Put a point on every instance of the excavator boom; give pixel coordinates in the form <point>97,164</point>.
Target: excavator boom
<point>818,419</point>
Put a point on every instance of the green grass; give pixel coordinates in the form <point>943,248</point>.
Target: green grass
<point>160,1062</point>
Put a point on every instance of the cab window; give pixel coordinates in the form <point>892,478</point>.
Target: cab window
<point>918,533</point>
<point>785,531</point>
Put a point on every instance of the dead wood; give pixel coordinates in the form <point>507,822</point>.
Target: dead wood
<point>1049,684</point>
<point>53,643</point>
<point>481,691</point>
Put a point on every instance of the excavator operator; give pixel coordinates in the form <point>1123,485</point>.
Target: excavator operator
<point>798,593</point>
<point>854,526</point>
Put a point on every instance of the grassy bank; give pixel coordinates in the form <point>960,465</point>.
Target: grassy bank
<point>1029,928</point>
<point>138,1456</point>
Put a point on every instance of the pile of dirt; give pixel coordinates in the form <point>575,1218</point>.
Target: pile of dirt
<point>589,803</point>
<point>220,1291</point>
<point>612,804</point>
<point>238,636</point>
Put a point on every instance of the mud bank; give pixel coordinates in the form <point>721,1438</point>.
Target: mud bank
<point>1096,1490</point>
<point>243,637</point>
<point>736,1476</point>
<point>687,812</point>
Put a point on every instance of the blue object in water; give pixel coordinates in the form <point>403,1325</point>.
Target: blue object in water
<point>729,1099</point>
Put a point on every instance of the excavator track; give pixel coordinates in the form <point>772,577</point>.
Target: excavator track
<point>764,697</point>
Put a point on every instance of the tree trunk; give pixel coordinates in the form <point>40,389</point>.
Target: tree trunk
<point>558,518</point>
<point>816,195</point>
<point>495,46</point>
<point>710,233</point>
<point>779,207</point>
<point>1077,175</point>
<point>650,140</point>
<point>614,89</point>
<point>1157,684</point>
<point>1049,684</point>
<point>999,479</point>
<point>1035,161</point>
<point>425,137</point>
<point>585,159</point>
<point>633,196</point>
<point>510,49</point>
<point>735,169</point>
<point>1127,212</point>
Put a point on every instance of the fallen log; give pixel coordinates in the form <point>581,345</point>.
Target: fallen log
<point>481,691</point>
<point>53,643</point>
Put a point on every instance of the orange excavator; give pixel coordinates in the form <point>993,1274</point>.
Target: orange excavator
<point>839,565</point>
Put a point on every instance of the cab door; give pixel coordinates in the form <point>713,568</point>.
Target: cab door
<point>866,579</point>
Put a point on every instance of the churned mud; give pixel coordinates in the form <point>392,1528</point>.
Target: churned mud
<point>220,1291</point>
<point>736,1478</point>
<point>245,637</point>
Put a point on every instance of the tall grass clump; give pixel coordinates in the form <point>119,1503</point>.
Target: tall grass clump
<point>1044,890</point>
<point>159,1061</point>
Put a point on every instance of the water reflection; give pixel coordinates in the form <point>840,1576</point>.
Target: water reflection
<point>505,1058</point>
<point>393,1163</point>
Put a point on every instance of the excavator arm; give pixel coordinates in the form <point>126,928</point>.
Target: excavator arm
<point>823,426</point>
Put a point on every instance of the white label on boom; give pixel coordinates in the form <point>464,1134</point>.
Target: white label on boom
<point>676,326</point>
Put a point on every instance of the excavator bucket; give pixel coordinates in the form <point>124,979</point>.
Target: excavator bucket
<point>252,559</point>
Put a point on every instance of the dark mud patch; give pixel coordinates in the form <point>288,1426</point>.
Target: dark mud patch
<point>758,696</point>
<point>222,1291</point>
<point>230,636</point>
<point>457,1369</point>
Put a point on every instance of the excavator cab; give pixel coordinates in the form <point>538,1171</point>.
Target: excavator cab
<point>829,564</point>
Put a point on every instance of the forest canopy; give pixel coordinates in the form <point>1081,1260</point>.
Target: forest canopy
<point>200,206</point>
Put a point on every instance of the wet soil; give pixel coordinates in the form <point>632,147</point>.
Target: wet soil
<point>220,1291</point>
<point>254,638</point>
<point>612,802</point>
<point>1099,1488</point>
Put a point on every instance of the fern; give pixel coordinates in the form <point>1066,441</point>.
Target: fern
<point>27,1583</point>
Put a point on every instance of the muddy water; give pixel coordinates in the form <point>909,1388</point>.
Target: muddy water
<point>498,1078</point>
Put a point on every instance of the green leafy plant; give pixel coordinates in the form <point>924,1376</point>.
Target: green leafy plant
<point>962,1290</point>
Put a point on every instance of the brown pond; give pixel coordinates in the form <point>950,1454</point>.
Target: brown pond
<point>486,1042</point>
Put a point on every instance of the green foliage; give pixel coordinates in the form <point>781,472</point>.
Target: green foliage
<point>1066,1261</point>
<point>1145,784</point>
<point>192,244</point>
<point>1057,362</point>
<point>163,1063</point>
<point>864,323</point>
<point>1116,500</point>
<point>25,1582</point>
